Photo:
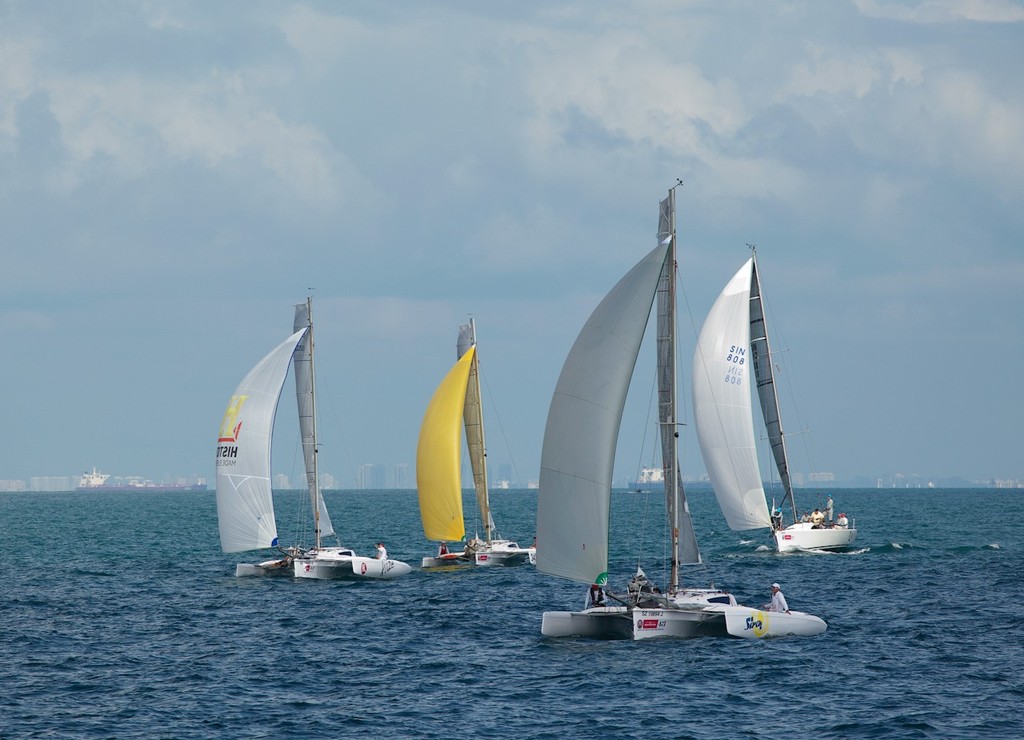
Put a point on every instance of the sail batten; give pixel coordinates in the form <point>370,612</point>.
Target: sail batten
<point>245,507</point>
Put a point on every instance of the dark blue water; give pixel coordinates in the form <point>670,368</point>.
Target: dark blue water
<point>122,618</point>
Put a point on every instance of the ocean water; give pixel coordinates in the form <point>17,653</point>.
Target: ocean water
<point>122,618</point>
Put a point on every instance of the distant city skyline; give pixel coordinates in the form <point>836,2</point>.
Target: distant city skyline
<point>377,478</point>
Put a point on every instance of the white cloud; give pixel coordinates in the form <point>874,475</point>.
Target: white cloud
<point>945,11</point>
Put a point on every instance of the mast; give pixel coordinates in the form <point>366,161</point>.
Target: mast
<point>474,420</point>
<point>765,374</point>
<point>314,491</point>
<point>683,540</point>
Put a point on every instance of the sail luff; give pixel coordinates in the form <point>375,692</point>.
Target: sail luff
<point>473,417</point>
<point>439,456</point>
<point>722,409</point>
<point>684,548</point>
<point>305,396</point>
<point>245,507</point>
<point>581,432</point>
<point>767,392</point>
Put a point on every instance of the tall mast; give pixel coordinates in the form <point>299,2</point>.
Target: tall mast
<point>314,490</point>
<point>667,381</point>
<point>474,421</point>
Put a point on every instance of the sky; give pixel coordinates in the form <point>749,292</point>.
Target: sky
<point>175,176</point>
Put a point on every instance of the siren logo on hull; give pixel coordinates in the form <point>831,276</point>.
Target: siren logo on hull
<point>758,622</point>
<point>230,429</point>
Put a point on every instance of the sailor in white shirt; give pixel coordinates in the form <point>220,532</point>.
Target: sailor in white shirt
<point>778,600</point>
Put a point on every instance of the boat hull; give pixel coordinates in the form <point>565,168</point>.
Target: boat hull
<point>803,536</point>
<point>755,624</point>
<point>499,553</point>
<point>331,566</point>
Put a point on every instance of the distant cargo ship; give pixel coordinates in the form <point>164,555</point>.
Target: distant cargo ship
<point>97,481</point>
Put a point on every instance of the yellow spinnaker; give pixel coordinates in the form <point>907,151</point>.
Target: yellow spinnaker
<point>439,456</point>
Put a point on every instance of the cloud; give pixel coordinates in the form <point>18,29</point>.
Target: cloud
<point>944,11</point>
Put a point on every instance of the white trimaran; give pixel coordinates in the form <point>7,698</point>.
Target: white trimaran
<point>457,401</point>
<point>576,473</point>
<point>723,372</point>
<point>245,506</point>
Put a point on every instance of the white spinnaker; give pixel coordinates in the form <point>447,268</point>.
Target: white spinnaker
<point>245,507</point>
<point>582,428</point>
<point>722,373</point>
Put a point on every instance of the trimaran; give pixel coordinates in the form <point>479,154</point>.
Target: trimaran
<point>457,403</point>
<point>245,507</point>
<point>576,473</point>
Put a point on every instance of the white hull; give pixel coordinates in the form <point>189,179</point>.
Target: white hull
<point>329,563</point>
<point>279,567</point>
<point>756,624</point>
<point>498,553</point>
<point>802,536</point>
<point>689,613</point>
<point>713,620</point>
<point>332,563</point>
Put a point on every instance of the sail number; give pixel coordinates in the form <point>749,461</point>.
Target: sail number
<point>736,359</point>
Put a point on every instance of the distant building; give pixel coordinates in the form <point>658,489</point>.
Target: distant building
<point>51,483</point>
<point>402,476</point>
<point>372,477</point>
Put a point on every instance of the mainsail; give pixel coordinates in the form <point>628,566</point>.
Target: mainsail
<point>304,394</point>
<point>684,541</point>
<point>473,416</point>
<point>245,508</point>
<point>583,425</point>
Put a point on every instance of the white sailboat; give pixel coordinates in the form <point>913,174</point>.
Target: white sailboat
<point>732,354</point>
<point>455,403</point>
<point>245,507</point>
<point>576,472</point>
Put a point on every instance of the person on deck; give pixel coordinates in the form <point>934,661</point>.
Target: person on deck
<point>842,521</point>
<point>382,552</point>
<point>778,600</point>
<point>443,549</point>
<point>817,519</point>
<point>828,509</point>
<point>595,597</point>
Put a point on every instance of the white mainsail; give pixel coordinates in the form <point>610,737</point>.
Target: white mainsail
<point>245,508</point>
<point>723,415</point>
<point>583,427</point>
<point>304,394</point>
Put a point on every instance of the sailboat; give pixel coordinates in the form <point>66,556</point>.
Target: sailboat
<point>573,503</point>
<point>733,353</point>
<point>455,403</point>
<point>245,507</point>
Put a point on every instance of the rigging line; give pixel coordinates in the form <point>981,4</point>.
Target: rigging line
<point>501,426</point>
<point>787,354</point>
